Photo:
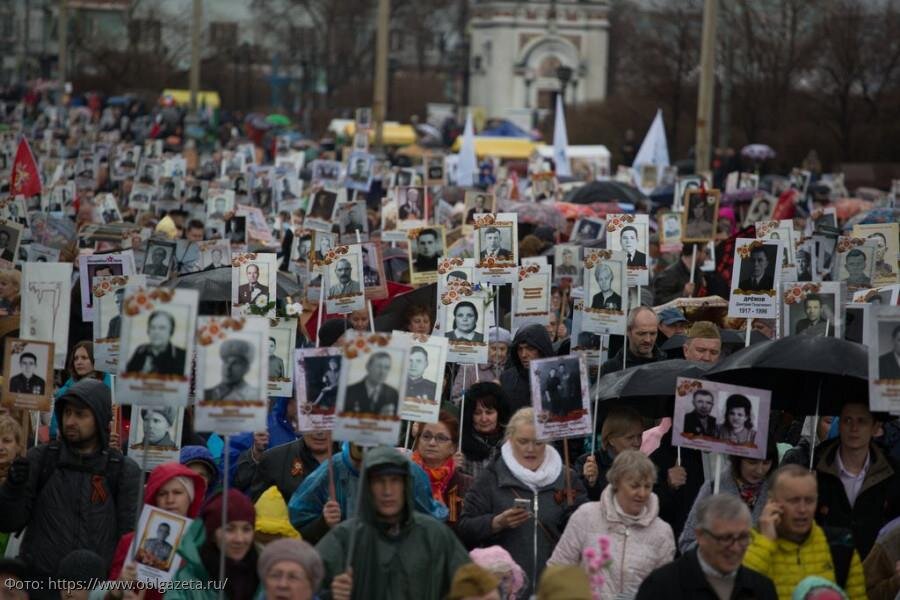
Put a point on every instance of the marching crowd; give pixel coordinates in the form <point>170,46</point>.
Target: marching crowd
<point>478,507</point>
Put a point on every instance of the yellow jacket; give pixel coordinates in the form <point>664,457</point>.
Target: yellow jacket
<point>787,563</point>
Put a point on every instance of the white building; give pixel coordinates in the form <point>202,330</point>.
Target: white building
<point>517,48</point>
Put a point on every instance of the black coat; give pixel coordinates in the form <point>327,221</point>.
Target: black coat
<point>683,578</point>
<point>514,379</point>
<point>675,505</point>
<point>357,400</point>
<point>615,363</point>
<point>284,466</point>
<point>877,503</point>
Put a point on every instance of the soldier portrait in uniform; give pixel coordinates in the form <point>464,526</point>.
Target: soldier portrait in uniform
<point>237,357</point>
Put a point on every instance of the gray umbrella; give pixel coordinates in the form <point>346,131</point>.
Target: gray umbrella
<point>214,285</point>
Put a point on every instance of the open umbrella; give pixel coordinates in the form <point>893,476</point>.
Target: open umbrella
<point>758,152</point>
<point>730,337</point>
<point>214,285</point>
<point>606,191</point>
<point>536,213</point>
<point>808,375</point>
<point>393,316</point>
<point>649,388</point>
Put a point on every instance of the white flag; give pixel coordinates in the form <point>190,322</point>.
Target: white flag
<point>467,168</point>
<point>654,150</point>
<point>560,141</point>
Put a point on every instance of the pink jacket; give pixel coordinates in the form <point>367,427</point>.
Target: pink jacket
<point>636,549</point>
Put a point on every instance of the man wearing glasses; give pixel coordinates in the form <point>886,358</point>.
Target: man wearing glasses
<point>713,569</point>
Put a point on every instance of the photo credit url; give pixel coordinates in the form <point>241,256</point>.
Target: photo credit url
<point>110,586</point>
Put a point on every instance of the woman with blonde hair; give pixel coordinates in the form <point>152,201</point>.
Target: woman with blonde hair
<point>622,527</point>
<point>519,502</point>
<point>10,284</point>
<point>622,430</point>
<point>12,446</point>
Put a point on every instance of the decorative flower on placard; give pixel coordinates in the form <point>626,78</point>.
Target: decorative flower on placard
<point>846,243</point>
<point>487,219</point>
<point>543,417</point>
<point>526,270</point>
<point>765,227</point>
<point>447,264</point>
<point>686,387</point>
<point>18,347</point>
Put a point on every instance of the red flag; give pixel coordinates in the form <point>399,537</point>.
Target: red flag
<point>25,180</point>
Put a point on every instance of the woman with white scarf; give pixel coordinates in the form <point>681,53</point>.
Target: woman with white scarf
<point>636,541</point>
<point>519,501</point>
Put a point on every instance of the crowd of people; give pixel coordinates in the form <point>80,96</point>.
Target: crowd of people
<point>473,506</point>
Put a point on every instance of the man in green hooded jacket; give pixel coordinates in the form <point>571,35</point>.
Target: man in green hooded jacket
<point>397,553</point>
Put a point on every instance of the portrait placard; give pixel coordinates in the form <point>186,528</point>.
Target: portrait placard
<point>466,314</point>
<point>159,428</point>
<point>100,265</point>
<point>353,222</point>
<point>813,308</point>
<point>587,229</point>
<point>434,170</point>
<point>857,327</point>
<point>359,171</point>
<point>701,212</point>
<point>27,374</point>
<point>158,258</point>
<point>631,234</point>
<point>253,283</point>
<point>412,210</point>
<point>594,346</point>
<point>560,397</point>
<point>326,172</point>
<point>854,262</point>
<point>232,374</point>
<point>45,297</point>
<point>424,378</point>
<point>496,248</point>
<point>214,254</point>
<point>476,203</point>
<point>669,227</point>
<point>40,253</point>
<point>782,230</point>
<point>719,417</point>
<point>343,277</point>
<point>799,179</point>
<point>453,271</point>
<point>425,247</point>
<point>884,358</point>
<point>682,186</point>
<point>157,339</point>
<point>761,208</point>
<point>884,236</point>
<point>159,534</point>
<point>605,306</point>
<point>567,263</point>
<point>824,245</point>
<point>372,382</point>
<point>320,213</point>
<point>389,220</point>
<point>143,197</point>
<point>823,219</point>
<point>219,202</point>
<point>373,271</point>
<point>754,291</point>
<point>282,340</point>
<point>108,295</point>
<point>316,379</point>
<point>10,237</point>
<point>531,296</point>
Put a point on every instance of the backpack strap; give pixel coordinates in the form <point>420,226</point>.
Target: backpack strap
<point>840,543</point>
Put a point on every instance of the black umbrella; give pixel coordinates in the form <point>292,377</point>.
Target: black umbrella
<point>606,191</point>
<point>649,388</point>
<point>393,316</point>
<point>214,285</point>
<point>730,337</point>
<point>807,374</point>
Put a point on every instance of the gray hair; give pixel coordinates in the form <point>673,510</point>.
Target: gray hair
<point>634,312</point>
<point>632,464</point>
<point>725,507</point>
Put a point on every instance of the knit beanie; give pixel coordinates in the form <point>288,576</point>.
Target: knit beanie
<point>240,508</point>
<point>188,485</point>
<point>296,551</point>
<point>560,582</point>
<point>82,566</point>
<point>817,588</point>
<point>472,580</point>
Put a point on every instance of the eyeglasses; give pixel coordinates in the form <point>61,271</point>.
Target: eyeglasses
<point>439,438</point>
<point>292,578</point>
<point>741,539</point>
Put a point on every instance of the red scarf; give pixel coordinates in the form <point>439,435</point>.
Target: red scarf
<point>439,477</point>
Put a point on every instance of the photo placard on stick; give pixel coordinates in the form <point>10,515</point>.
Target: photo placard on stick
<point>884,358</point>
<point>783,231</point>
<point>373,271</point>
<point>159,534</point>
<point>100,265</point>
<point>631,235</point>
<point>719,417</point>
<point>343,268</point>
<point>605,306</point>
<point>567,263</point>
<point>813,308</point>
<point>682,186</point>
<point>594,346</point>
<point>477,203</point>
<point>10,237</point>
<point>670,223</point>
<point>372,382</point>
<point>496,248</point>
<point>434,170</point>
<point>232,374</point>
<point>857,327</point>
<point>701,211</point>
<point>108,297</point>
<point>466,315</point>
<point>27,374</point>
<point>316,378</point>
<point>854,262</point>
<point>353,222</point>
<point>560,397</point>
<point>157,337</point>
<point>424,377</point>
<point>45,296</point>
<point>453,271</point>
<point>158,258</point>
<point>587,229</point>
<point>253,283</point>
<point>282,339</point>
<point>158,427</point>
<point>754,291</point>
<point>886,239</point>
<point>359,171</point>
<point>426,246</point>
<point>320,213</point>
<point>531,297</point>
<point>326,172</point>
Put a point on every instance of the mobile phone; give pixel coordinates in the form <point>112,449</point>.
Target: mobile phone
<point>523,503</point>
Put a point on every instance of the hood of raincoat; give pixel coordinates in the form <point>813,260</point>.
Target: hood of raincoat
<point>97,397</point>
<point>164,473</point>
<point>376,457</point>
<point>534,335</point>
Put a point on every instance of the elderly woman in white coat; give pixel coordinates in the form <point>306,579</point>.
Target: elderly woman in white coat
<point>628,515</point>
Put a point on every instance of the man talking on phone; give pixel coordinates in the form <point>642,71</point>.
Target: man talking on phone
<point>788,546</point>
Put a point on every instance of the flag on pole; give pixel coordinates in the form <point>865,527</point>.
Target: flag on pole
<point>467,168</point>
<point>25,179</point>
<point>560,141</point>
<point>654,150</point>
